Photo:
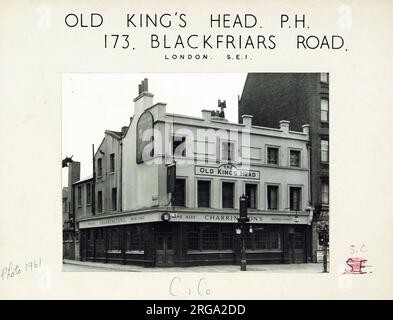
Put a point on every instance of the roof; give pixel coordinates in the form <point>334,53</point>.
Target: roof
<point>90,177</point>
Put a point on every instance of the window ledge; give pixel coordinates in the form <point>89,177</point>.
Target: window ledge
<point>113,251</point>
<point>134,252</point>
<point>263,250</point>
<point>208,251</point>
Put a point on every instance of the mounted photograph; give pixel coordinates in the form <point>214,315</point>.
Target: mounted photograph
<point>228,173</point>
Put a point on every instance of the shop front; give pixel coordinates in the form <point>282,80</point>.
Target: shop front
<point>211,239</point>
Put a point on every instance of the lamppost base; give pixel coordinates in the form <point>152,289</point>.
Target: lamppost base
<point>243,265</point>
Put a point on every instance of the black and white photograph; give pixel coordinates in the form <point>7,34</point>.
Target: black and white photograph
<point>212,153</point>
<point>202,172</point>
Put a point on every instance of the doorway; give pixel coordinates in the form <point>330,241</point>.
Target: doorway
<point>297,247</point>
<point>165,250</point>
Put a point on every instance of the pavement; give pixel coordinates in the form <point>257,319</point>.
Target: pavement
<point>83,266</point>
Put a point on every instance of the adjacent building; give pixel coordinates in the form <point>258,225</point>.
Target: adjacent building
<point>300,98</point>
<point>165,190</point>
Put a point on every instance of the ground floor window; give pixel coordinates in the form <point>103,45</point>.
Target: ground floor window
<point>134,238</point>
<point>213,237</point>
<point>114,239</point>
<point>263,238</point>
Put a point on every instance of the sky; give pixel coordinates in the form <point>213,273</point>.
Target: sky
<point>95,102</point>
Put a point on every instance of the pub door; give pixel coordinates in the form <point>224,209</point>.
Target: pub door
<point>297,247</point>
<point>164,250</point>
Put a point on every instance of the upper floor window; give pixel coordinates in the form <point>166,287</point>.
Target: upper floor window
<point>324,110</point>
<point>179,146</point>
<point>295,158</point>
<point>295,195</point>
<point>180,192</point>
<point>88,193</point>
<point>324,77</point>
<point>251,193</point>
<point>324,150</point>
<point>99,201</point>
<point>99,167</point>
<point>228,151</point>
<point>324,192</point>
<point>112,162</point>
<point>114,199</point>
<point>272,197</point>
<point>272,155</point>
<point>79,195</point>
<point>228,192</point>
<point>203,194</point>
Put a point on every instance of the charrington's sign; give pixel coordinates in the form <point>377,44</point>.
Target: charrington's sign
<point>228,171</point>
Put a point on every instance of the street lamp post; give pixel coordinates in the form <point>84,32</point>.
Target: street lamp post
<point>243,219</point>
<point>323,231</point>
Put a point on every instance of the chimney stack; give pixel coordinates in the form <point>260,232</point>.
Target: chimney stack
<point>124,130</point>
<point>206,114</point>
<point>284,125</point>
<point>306,128</point>
<point>247,120</point>
<point>144,100</point>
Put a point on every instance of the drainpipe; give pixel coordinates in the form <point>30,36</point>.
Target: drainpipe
<point>93,193</point>
<point>121,177</point>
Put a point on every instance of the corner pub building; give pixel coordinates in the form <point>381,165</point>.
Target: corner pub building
<point>167,187</point>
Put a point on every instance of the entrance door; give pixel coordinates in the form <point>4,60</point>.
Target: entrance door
<point>164,250</point>
<point>297,247</point>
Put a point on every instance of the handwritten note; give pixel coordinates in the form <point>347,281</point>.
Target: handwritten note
<point>13,270</point>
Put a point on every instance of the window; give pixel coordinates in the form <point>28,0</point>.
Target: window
<point>272,197</point>
<point>228,151</point>
<point>179,146</point>
<point>99,167</point>
<point>114,199</point>
<point>202,237</point>
<point>226,237</point>
<point>324,150</point>
<point>295,198</point>
<point>114,238</point>
<point>251,193</point>
<point>210,237</point>
<point>261,239</point>
<point>99,201</point>
<point>112,162</point>
<point>264,238</point>
<point>324,77</point>
<point>79,195</point>
<point>294,158</point>
<point>227,194</point>
<point>88,193</point>
<point>272,155</point>
<point>203,194</point>
<point>193,238</point>
<point>324,110</point>
<point>325,192</point>
<point>134,238</point>
<point>180,192</point>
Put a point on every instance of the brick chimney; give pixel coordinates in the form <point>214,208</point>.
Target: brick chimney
<point>144,100</point>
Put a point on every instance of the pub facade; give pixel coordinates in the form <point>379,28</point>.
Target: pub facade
<point>167,188</point>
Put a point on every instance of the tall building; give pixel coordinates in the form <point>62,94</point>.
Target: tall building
<point>167,189</point>
<point>299,98</point>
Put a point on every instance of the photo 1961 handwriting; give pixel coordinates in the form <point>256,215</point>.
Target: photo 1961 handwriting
<point>12,270</point>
